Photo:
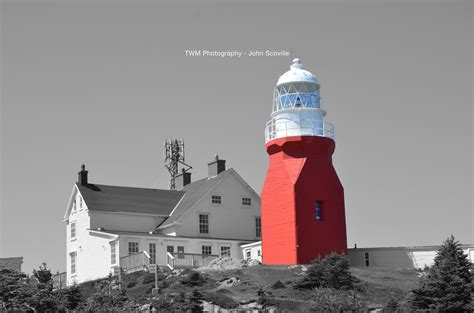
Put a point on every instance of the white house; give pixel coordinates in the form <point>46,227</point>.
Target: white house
<point>110,226</point>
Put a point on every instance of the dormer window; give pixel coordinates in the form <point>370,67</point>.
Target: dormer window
<point>216,199</point>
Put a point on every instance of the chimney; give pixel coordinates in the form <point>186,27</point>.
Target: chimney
<point>82,176</point>
<point>183,179</point>
<point>215,167</point>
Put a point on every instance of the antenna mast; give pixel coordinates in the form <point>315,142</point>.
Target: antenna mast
<point>174,155</point>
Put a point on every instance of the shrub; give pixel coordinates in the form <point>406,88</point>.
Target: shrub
<point>193,302</point>
<point>220,299</point>
<point>391,306</point>
<point>73,297</point>
<point>278,285</point>
<point>131,284</point>
<point>149,278</point>
<point>106,299</point>
<point>330,272</point>
<point>446,286</point>
<point>193,278</point>
<point>331,300</point>
<point>163,284</point>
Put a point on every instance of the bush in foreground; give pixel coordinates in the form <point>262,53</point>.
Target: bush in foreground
<point>330,272</point>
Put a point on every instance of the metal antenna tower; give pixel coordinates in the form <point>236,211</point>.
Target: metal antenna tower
<point>174,155</point>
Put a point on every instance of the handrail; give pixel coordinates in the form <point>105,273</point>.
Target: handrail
<point>170,257</point>
<point>135,261</point>
<point>303,127</point>
<point>188,260</point>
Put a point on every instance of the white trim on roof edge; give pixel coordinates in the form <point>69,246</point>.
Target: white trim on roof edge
<point>197,201</point>
<point>75,190</point>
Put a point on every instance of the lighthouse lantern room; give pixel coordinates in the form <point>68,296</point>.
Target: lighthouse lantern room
<point>302,198</point>
<point>296,106</point>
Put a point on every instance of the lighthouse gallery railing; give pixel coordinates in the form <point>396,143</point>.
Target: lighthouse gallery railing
<point>304,127</point>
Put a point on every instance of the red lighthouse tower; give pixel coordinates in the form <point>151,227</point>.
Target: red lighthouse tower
<point>302,199</point>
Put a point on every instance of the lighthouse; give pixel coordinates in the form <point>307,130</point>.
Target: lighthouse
<point>302,204</point>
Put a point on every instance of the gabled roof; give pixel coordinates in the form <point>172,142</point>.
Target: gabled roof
<point>129,199</point>
<point>194,191</point>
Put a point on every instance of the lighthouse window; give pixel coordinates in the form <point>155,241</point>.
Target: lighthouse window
<point>297,95</point>
<point>317,207</point>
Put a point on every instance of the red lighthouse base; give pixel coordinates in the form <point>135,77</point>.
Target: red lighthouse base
<point>302,202</point>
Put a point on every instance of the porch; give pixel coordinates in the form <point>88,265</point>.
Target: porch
<point>188,260</point>
<point>141,261</point>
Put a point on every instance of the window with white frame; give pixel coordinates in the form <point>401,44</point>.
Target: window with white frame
<point>216,199</point>
<point>73,256</point>
<point>259,252</point>
<point>204,223</point>
<point>206,250</point>
<point>258,227</point>
<point>152,252</point>
<point>246,201</point>
<point>132,247</point>
<point>113,253</point>
<point>74,206</point>
<point>80,202</point>
<point>248,254</point>
<point>225,251</point>
<point>73,230</point>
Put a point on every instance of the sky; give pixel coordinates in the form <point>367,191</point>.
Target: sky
<point>105,82</point>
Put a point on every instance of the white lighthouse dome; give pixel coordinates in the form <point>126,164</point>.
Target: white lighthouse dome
<point>297,74</point>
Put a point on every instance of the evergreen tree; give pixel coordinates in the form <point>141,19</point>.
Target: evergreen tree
<point>446,285</point>
<point>194,302</point>
<point>330,272</point>
<point>43,275</point>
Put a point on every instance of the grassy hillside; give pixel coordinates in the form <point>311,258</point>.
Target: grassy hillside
<point>273,284</point>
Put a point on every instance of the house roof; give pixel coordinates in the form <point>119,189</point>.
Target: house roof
<point>129,199</point>
<point>194,191</point>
